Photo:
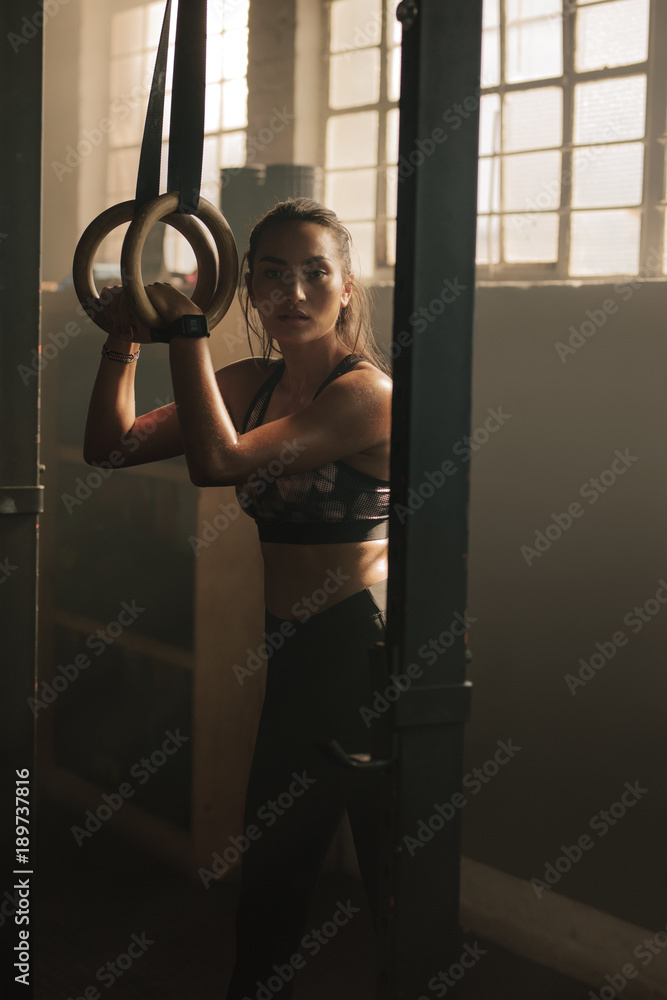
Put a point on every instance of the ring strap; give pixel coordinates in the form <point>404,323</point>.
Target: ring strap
<point>186,125</point>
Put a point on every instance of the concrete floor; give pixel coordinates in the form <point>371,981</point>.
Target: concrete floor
<point>92,899</point>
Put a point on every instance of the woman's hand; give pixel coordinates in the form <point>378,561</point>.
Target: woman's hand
<point>117,320</point>
<point>170,303</point>
<point>115,317</point>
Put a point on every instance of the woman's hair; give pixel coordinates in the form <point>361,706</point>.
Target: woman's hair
<point>353,325</point>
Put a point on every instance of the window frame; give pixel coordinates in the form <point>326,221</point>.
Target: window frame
<point>210,188</point>
<point>651,208</point>
<point>382,271</point>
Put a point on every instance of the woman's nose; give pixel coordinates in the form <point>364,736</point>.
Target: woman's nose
<point>295,290</point>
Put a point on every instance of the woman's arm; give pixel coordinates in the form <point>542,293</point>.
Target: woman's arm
<point>113,431</point>
<point>351,415</point>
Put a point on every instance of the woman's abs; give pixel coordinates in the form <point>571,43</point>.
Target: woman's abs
<point>302,580</point>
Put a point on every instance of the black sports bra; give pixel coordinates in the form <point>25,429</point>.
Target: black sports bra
<point>333,503</point>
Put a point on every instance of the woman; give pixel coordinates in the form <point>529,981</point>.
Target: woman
<point>319,419</point>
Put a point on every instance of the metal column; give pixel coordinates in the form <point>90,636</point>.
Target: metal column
<point>432,348</point>
<point>20,493</point>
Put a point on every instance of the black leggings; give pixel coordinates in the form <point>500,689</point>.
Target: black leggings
<point>317,681</point>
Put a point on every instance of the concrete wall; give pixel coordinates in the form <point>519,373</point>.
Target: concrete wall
<point>536,623</point>
<point>568,642</point>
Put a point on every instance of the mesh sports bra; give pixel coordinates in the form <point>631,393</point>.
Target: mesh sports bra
<point>333,503</point>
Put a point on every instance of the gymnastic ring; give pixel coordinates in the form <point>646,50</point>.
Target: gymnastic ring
<point>99,229</point>
<point>130,258</point>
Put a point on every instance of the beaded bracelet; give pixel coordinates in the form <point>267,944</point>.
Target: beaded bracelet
<point>117,356</point>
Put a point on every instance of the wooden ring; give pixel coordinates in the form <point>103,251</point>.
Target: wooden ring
<point>99,229</point>
<point>158,209</point>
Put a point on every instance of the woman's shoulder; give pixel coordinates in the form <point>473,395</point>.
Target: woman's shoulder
<point>239,382</point>
<point>377,365</point>
<point>370,372</point>
<point>364,388</point>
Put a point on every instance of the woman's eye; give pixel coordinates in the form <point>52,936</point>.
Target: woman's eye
<point>316,274</point>
<point>272,273</point>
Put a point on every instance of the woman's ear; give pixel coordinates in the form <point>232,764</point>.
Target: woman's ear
<point>347,291</point>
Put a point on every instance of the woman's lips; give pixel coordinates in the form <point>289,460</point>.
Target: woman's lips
<point>293,319</point>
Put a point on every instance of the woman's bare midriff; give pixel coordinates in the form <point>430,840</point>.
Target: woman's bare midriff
<point>297,577</point>
<point>307,579</point>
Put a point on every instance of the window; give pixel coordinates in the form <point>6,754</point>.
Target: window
<point>572,116</point>
<point>361,126</point>
<point>134,40</point>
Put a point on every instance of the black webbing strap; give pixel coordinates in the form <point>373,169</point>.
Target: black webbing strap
<point>186,126</point>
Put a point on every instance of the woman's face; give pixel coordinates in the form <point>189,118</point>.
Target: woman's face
<point>298,283</point>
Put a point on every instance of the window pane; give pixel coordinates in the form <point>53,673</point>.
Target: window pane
<point>213,108</point>
<point>150,62</point>
<point>391,242</point>
<point>126,73</point>
<point>491,14</point>
<point>531,181</point>
<point>233,149</point>
<point>354,78</point>
<point>111,246</point>
<point>126,115</point>
<point>166,121</point>
<point>604,242</point>
<point>488,185</point>
<point>488,239</point>
<point>394,74</point>
<point>610,109</point>
<point>491,57</point>
<point>211,190</point>
<point>394,29</point>
<point>523,10</point>
<point>363,247</point>
<point>122,173</point>
<point>164,159</point>
<point>127,31</point>
<point>534,48</point>
<point>392,136</point>
<point>235,13</point>
<point>352,140</point>
<point>154,18</point>
<point>613,34</point>
<point>213,58</point>
<point>178,255</point>
<point>355,24</point>
<point>608,175</point>
<point>489,124</point>
<point>211,160</point>
<point>214,18</point>
<point>351,194</point>
<point>234,53</point>
<point>235,103</point>
<point>531,238</point>
<point>533,119</point>
<point>392,191</point>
